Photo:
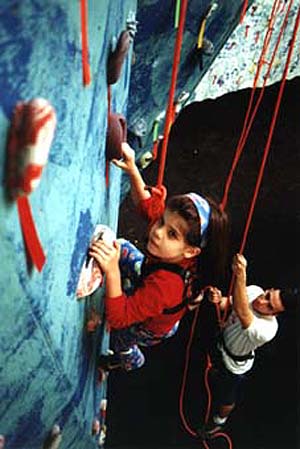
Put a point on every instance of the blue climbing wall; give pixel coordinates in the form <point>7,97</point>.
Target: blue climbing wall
<point>47,360</point>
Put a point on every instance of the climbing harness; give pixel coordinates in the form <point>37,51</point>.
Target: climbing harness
<point>185,275</point>
<point>236,358</point>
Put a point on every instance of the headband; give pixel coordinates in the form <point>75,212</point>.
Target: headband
<point>203,209</point>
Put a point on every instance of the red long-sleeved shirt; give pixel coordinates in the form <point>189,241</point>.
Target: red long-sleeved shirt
<point>160,290</point>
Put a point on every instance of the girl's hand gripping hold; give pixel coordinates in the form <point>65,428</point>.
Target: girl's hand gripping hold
<point>107,255</point>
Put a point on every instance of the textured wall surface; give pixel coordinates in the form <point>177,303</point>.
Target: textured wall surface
<point>47,361</point>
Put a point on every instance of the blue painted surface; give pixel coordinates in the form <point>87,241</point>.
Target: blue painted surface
<point>47,360</point>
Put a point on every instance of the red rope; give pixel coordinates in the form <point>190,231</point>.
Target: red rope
<point>86,71</point>
<point>184,377</point>
<point>169,114</point>
<point>271,131</point>
<point>108,114</point>
<point>270,64</point>
<point>242,140</point>
<point>244,10</point>
<point>207,387</point>
<point>250,214</point>
<point>267,146</point>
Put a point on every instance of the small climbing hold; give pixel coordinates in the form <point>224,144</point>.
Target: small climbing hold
<point>116,134</point>
<point>139,127</point>
<point>93,321</point>
<point>207,47</point>
<point>54,438</point>
<point>102,436</point>
<point>182,97</point>
<point>116,58</point>
<point>145,160</point>
<point>102,375</point>
<point>131,25</point>
<point>2,441</point>
<point>95,426</point>
<point>103,406</point>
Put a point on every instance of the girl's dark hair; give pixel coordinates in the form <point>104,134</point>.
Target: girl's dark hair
<point>186,209</point>
<point>212,260</point>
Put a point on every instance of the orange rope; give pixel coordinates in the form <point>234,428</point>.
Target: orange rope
<point>244,10</point>
<point>184,377</point>
<point>169,114</point>
<point>268,145</point>
<point>271,131</point>
<point>270,64</point>
<point>209,398</point>
<point>86,71</point>
<point>242,139</point>
<point>251,210</point>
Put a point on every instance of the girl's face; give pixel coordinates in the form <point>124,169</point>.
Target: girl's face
<point>167,239</point>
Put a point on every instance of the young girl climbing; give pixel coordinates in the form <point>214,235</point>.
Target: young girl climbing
<point>181,233</point>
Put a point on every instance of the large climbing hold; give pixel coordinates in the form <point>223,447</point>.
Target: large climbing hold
<point>30,138</point>
<point>116,134</point>
<point>29,141</point>
<point>117,57</point>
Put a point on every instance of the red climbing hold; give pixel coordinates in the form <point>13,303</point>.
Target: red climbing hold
<point>116,134</point>
<point>30,137</point>
<point>116,58</point>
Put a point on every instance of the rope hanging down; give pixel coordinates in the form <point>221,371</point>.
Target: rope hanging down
<point>244,10</point>
<point>271,130</point>
<point>169,114</point>
<point>267,146</point>
<point>249,218</point>
<point>248,122</point>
